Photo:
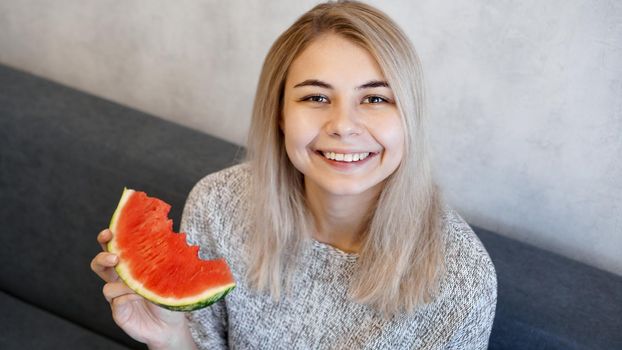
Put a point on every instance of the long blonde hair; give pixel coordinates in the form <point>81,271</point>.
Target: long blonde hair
<point>400,264</point>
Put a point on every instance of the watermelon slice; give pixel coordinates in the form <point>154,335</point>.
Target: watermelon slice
<point>157,263</point>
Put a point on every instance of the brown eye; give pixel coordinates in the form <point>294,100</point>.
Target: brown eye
<point>374,99</point>
<point>316,98</point>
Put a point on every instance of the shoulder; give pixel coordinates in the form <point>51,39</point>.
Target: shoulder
<point>468,263</point>
<point>469,291</point>
<point>221,190</point>
<point>226,181</point>
<point>216,207</point>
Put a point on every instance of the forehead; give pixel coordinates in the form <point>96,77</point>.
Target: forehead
<point>334,59</point>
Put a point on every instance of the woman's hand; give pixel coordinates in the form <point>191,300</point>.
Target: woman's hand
<point>139,318</point>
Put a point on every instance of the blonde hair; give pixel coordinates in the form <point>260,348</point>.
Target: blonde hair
<point>400,263</point>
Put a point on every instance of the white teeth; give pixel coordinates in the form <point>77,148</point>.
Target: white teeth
<point>349,157</point>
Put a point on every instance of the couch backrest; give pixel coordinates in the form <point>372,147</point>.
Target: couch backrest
<point>64,159</point>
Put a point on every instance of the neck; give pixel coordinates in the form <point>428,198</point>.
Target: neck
<point>340,220</point>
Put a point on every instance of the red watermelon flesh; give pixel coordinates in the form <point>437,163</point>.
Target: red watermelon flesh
<point>157,263</point>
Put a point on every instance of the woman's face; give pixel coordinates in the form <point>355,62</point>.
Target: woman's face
<point>341,124</point>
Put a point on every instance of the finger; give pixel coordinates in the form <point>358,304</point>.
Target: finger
<point>114,290</point>
<point>103,238</point>
<point>103,263</point>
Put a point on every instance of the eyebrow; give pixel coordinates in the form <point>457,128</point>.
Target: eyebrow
<point>319,83</point>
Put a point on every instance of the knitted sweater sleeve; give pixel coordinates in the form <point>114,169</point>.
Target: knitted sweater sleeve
<point>207,326</point>
<point>474,332</point>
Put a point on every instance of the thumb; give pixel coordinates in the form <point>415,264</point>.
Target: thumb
<point>125,307</point>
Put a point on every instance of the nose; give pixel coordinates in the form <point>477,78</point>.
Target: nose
<point>343,121</point>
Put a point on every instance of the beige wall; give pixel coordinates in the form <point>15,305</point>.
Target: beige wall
<point>525,97</point>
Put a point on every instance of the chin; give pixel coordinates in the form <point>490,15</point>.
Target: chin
<point>349,188</point>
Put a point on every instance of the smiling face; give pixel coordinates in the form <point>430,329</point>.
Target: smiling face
<point>341,124</point>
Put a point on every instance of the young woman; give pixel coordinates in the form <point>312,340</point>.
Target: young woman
<point>334,228</point>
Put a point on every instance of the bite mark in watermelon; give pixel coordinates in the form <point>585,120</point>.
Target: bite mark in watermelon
<point>157,263</point>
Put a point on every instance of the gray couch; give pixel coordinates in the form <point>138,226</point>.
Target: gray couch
<point>65,157</point>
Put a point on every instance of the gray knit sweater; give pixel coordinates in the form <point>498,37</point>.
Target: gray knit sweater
<point>318,314</point>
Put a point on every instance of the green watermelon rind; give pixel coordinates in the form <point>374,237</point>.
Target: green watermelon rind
<point>202,300</point>
<point>198,305</point>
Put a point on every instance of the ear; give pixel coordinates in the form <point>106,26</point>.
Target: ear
<point>281,123</point>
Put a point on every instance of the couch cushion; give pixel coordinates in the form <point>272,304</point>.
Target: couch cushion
<point>27,327</point>
<point>546,301</point>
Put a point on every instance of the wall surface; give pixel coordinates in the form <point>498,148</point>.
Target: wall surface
<point>525,97</point>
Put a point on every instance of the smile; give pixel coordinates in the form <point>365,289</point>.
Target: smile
<point>345,157</point>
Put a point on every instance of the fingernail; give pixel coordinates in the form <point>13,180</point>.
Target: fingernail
<point>111,259</point>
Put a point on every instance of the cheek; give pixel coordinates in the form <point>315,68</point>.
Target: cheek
<point>299,131</point>
<point>390,134</point>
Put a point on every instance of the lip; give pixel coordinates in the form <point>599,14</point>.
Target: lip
<point>346,165</point>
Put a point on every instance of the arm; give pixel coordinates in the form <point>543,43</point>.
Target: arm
<point>474,332</point>
<point>207,327</point>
